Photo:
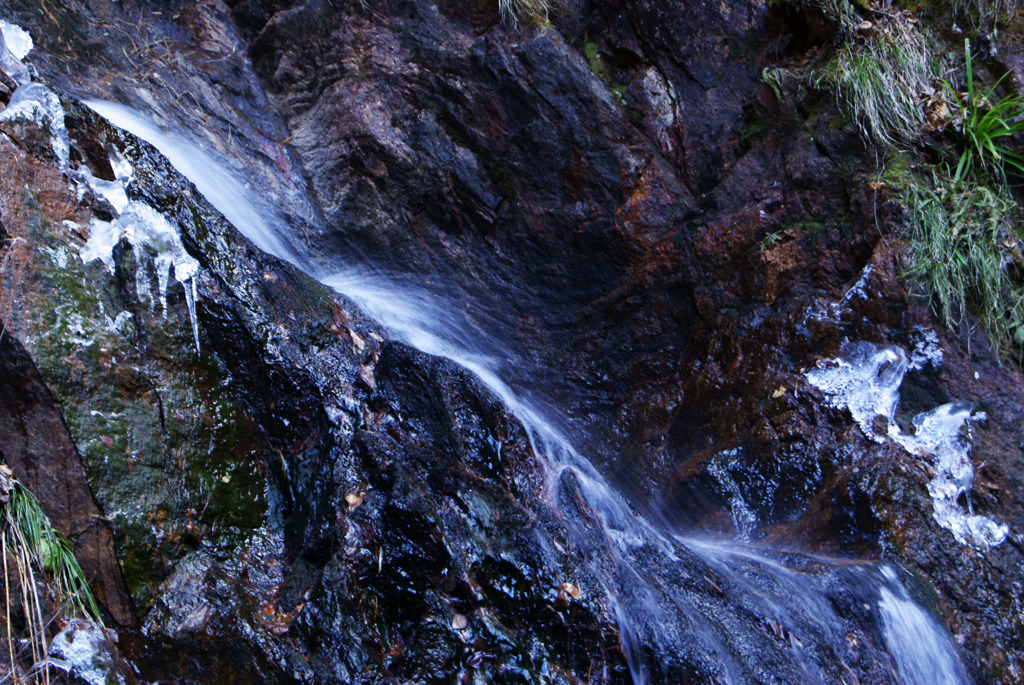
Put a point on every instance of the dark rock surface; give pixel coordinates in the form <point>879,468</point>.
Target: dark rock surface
<point>266,488</point>
<point>595,180</point>
<point>439,564</point>
<point>663,243</point>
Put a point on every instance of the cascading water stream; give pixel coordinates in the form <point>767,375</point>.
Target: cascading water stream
<point>746,616</point>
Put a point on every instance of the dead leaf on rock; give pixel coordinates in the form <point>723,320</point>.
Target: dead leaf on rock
<point>366,376</point>
<point>277,622</point>
<point>937,116</point>
<point>571,590</point>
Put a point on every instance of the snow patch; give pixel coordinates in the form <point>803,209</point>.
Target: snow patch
<point>144,227</point>
<point>866,379</point>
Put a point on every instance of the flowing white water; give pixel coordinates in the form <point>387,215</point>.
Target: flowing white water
<point>669,594</point>
<point>796,604</point>
<point>904,620</point>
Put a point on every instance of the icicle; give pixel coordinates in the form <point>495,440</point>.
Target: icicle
<point>190,298</point>
<point>144,227</point>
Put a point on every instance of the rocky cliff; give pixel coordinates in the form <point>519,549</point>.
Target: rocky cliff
<point>670,247</point>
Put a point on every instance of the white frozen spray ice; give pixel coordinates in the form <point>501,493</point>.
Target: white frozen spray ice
<point>927,348</point>
<point>144,227</point>
<point>31,102</point>
<point>833,311</point>
<point>121,167</point>
<point>259,223</point>
<point>81,649</point>
<point>112,191</point>
<point>14,45</point>
<point>34,102</point>
<point>939,433</point>
<point>866,379</point>
<point>18,40</point>
<point>743,518</point>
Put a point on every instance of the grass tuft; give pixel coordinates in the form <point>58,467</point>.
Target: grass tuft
<point>775,79</point>
<point>986,126</point>
<point>962,233</point>
<point>878,72</point>
<point>514,10</point>
<point>34,553</point>
<point>985,11</point>
<point>964,248</point>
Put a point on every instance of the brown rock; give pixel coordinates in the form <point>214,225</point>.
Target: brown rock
<point>36,445</point>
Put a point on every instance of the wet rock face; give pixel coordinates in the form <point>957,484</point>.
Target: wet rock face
<point>498,161</point>
<point>594,182</point>
<point>199,441</point>
<point>439,566</point>
<point>270,465</point>
<point>648,217</point>
<point>678,242</point>
<point>669,243</point>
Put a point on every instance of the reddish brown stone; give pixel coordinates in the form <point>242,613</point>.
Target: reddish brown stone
<point>35,443</point>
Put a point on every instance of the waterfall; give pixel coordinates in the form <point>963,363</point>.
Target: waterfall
<point>748,615</point>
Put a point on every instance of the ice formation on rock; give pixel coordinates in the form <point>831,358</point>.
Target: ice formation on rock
<point>865,379</point>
